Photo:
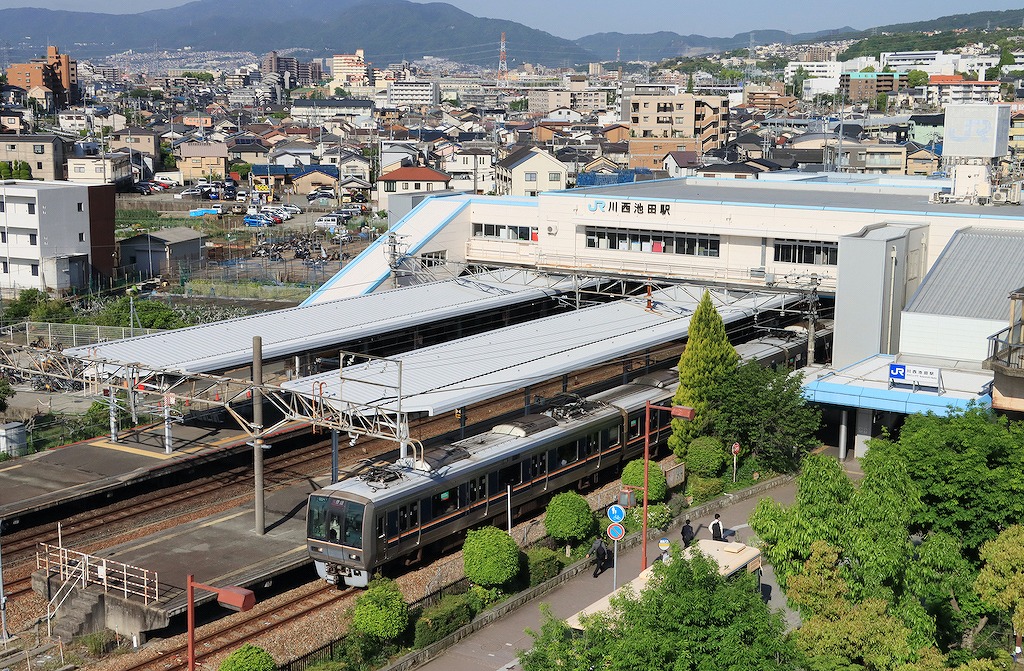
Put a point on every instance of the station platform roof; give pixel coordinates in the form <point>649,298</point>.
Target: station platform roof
<point>865,384</point>
<point>459,373</point>
<point>225,345</point>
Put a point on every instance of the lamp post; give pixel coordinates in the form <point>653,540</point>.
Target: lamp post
<point>232,598</point>
<point>679,412</point>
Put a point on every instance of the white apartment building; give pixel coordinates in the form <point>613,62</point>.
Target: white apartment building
<point>937,62</point>
<point>349,69</point>
<point>44,236</point>
<point>413,94</point>
<point>945,90</point>
<point>471,170</point>
<point>830,69</point>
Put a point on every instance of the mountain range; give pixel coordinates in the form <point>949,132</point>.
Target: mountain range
<point>388,30</point>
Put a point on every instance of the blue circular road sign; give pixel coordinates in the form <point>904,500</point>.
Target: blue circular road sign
<point>616,531</point>
<point>616,513</point>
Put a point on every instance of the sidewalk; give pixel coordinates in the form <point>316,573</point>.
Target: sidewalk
<point>496,646</point>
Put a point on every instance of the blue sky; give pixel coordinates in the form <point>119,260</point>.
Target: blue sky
<point>575,18</point>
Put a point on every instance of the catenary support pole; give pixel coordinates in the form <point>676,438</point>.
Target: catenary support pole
<point>257,421</point>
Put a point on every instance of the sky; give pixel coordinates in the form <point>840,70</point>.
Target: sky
<point>575,18</point>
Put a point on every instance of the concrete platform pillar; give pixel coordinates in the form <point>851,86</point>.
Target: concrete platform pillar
<point>844,425</point>
<point>863,432</point>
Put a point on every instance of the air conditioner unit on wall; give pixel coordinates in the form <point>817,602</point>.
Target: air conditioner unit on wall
<point>552,229</point>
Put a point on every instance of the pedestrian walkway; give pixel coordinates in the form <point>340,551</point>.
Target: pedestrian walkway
<point>496,646</point>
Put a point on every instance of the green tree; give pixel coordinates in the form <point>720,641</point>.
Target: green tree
<point>916,78</point>
<point>381,610</point>
<point>869,68</point>
<point>1001,579</point>
<point>992,74</point>
<point>490,557</point>
<point>243,169</point>
<point>705,457</point>
<point>707,362</point>
<point>764,410</point>
<point>22,170</point>
<point>969,467</point>
<point>340,92</point>
<point>248,658</point>
<point>569,519</point>
<point>5,170</point>
<point>657,483</point>
<point>799,77</point>
<point>882,102</point>
<point>519,105</point>
<point>688,617</point>
<point>148,314</point>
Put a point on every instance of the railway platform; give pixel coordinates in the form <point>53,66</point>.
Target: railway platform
<point>67,475</point>
<point>141,584</point>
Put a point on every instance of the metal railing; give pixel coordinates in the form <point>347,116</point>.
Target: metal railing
<point>59,336</point>
<point>1006,346</point>
<point>70,565</point>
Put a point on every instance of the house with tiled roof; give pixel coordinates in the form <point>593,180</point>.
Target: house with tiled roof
<point>410,179</point>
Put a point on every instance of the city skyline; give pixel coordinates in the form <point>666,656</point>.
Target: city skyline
<point>645,16</point>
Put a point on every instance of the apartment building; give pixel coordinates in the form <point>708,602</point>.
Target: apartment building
<point>945,90</point>
<point>316,112</point>
<point>137,139</point>
<point>413,93</point>
<point>112,168</point>
<point>680,121</point>
<point>46,155</point>
<point>50,233</point>
<point>202,159</point>
<point>349,69</point>
<point>471,170</point>
<point>865,86</point>
<point>56,72</point>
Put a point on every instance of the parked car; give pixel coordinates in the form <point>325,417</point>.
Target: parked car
<point>141,188</point>
<point>162,183</point>
<point>257,220</point>
<point>330,221</point>
<point>276,212</point>
<point>242,196</point>
<point>191,192</point>
<point>322,193</point>
<point>291,209</point>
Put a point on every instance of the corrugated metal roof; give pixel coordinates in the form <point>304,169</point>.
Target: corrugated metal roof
<point>973,276</point>
<point>228,344</point>
<point>451,375</point>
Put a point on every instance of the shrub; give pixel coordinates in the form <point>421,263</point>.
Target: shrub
<point>481,598</point>
<point>542,565</point>
<point>490,557</point>
<point>99,642</point>
<point>442,619</point>
<point>705,457</point>
<point>657,485</point>
<point>659,516</point>
<point>248,658</point>
<point>381,611</point>
<point>705,489</point>
<point>569,518</point>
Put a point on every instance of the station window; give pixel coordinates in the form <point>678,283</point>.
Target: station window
<point>807,252</point>
<point>504,231</point>
<point>658,242</point>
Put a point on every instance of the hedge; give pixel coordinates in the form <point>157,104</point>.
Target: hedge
<point>449,614</point>
<point>542,565</point>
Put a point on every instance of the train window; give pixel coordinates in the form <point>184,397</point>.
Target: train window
<point>392,526</point>
<point>403,518</point>
<point>613,436</point>
<point>567,454</point>
<point>414,514</point>
<point>634,427</point>
<point>354,525</point>
<point>445,502</point>
<point>316,518</point>
<point>380,527</point>
<point>538,465</point>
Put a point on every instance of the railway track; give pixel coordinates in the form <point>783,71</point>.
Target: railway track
<point>225,635</point>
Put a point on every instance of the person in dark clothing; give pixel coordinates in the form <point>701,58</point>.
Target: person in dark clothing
<point>717,529</point>
<point>687,534</point>
<point>600,553</point>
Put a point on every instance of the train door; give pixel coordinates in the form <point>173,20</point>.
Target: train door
<point>539,468</point>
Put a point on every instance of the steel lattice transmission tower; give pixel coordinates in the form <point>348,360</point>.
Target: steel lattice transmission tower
<point>502,61</point>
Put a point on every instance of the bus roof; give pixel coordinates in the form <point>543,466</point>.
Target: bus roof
<point>730,557</point>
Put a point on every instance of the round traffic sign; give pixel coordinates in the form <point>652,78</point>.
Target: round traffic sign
<point>664,544</point>
<point>616,531</point>
<point>735,448</point>
<point>616,513</point>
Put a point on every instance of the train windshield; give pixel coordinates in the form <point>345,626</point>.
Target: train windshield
<point>335,521</point>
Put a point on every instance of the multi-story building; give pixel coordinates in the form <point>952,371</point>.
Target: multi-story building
<point>46,155</point>
<point>56,72</point>
<point>136,139</point>
<point>471,170</point>
<point>660,123</point>
<point>113,168</point>
<point>945,90</point>
<point>202,159</point>
<point>316,112</point>
<point>816,69</point>
<point>54,236</point>
<point>349,69</point>
<point>409,179</point>
<point>413,93</point>
<point>865,86</point>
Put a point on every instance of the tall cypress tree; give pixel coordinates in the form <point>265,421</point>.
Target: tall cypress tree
<point>709,359</point>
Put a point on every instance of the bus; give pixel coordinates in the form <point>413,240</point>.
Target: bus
<point>732,559</point>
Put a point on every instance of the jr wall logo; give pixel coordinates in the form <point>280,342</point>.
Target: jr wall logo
<point>926,376</point>
<point>596,206</point>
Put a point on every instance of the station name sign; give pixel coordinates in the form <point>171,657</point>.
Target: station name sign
<point>628,207</point>
<point>925,376</point>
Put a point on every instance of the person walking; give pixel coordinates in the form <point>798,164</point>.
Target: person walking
<point>687,534</point>
<point>717,529</point>
<point>600,552</point>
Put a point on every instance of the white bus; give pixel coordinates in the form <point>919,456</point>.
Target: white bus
<point>732,558</point>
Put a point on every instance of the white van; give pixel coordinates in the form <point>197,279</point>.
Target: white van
<point>329,221</point>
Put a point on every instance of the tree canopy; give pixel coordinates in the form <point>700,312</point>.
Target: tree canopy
<point>688,617</point>
<point>568,518</point>
<point>381,610</point>
<point>490,557</point>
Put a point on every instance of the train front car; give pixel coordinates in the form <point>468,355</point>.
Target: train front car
<point>335,537</point>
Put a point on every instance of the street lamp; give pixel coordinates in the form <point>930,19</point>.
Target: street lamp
<point>679,412</point>
<point>232,598</point>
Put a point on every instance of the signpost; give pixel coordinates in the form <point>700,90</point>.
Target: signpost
<point>735,456</point>
<point>616,532</point>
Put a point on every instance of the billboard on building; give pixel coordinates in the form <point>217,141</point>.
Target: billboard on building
<point>977,131</point>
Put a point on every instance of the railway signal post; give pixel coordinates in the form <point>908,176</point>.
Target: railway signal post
<point>233,598</point>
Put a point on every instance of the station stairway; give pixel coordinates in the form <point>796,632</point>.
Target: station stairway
<point>373,267</point>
